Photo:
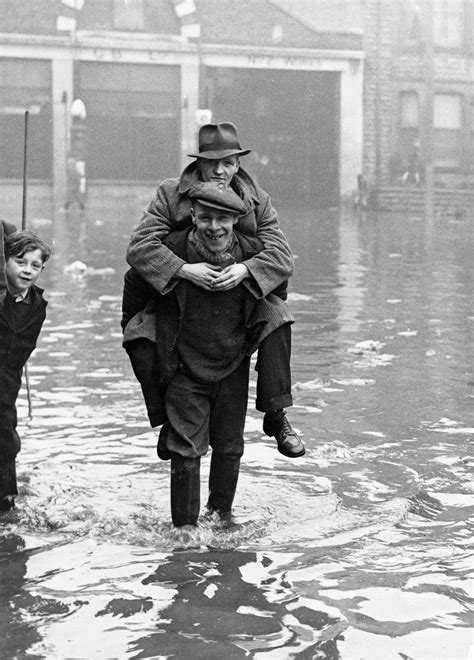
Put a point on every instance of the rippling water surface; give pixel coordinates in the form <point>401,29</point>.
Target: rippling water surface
<point>362,549</point>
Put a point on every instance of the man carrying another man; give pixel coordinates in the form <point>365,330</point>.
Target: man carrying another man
<point>204,339</point>
<point>218,162</point>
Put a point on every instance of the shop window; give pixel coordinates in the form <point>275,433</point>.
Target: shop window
<point>129,15</point>
<point>448,23</point>
<point>447,121</point>
<point>410,24</point>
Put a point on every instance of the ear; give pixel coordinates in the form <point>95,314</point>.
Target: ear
<point>235,220</point>
<point>193,215</point>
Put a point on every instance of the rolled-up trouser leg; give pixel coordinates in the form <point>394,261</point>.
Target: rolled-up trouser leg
<point>185,490</point>
<point>274,372</point>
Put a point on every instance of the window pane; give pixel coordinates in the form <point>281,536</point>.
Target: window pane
<point>448,22</point>
<point>447,111</point>
<point>128,15</point>
<point>447,130</point>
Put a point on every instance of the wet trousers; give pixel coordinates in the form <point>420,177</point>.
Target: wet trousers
<point>273,374</point>
<point>9,447</point>
<point>202,415</point>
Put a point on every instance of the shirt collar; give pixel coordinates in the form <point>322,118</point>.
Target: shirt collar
<point>21,297</point>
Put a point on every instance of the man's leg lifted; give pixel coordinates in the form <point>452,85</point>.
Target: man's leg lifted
<point>274,390</point>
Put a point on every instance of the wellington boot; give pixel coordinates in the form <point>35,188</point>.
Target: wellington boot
<point>223,477</point>
<point>185,490</point>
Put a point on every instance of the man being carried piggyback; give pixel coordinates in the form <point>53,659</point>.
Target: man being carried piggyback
<point>22,313</point>
<point>218,162</point>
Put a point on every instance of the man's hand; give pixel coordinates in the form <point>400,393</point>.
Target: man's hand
<point>201,274</point>
<point>230,277</point>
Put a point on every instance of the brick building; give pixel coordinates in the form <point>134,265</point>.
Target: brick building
<point>320,89</point>
<point>143,70</point>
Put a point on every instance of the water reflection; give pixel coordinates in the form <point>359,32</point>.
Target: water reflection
<point>363,544</point>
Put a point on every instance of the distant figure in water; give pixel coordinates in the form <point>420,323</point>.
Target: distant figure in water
<point>22,313</point>
<point>414,169</point>
<point>201,340</point>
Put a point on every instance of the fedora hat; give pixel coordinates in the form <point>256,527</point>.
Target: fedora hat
<point>219,141</point>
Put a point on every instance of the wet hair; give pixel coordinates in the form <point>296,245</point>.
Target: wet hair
<point>20,242</point>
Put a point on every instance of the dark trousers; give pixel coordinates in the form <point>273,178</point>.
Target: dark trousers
<point>273,374</point>
<point>202,415</point>
<point>9,447</point>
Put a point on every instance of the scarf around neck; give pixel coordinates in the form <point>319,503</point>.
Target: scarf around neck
<point>213,257</point>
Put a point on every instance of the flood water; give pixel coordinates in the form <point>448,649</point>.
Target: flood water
<point>362,549</point>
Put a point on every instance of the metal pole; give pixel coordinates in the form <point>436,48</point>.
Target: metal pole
<point>25,166</point>
<point>429,116</point>
<point>23,226</point>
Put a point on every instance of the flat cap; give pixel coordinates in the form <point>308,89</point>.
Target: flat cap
<point>217,196</point>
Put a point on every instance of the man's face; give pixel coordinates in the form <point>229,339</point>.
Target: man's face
<point>213,226</point>
<point>22,272</point>
<point>221,170</point>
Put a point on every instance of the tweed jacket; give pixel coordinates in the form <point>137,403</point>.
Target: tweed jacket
<point>160,320</point>
<point>170,210</point>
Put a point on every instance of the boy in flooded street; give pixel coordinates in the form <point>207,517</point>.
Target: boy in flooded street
<point>203,342</point>
<point>22,313</point>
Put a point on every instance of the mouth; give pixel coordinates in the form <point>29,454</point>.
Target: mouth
<point>215,237</point>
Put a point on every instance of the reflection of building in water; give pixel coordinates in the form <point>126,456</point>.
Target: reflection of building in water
<point>351,273</point>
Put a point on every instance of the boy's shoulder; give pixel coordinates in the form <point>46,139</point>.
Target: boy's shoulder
<point>8,228</point>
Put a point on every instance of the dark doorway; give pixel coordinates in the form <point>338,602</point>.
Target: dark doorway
<point>290,119</point>
<point>133,120</point>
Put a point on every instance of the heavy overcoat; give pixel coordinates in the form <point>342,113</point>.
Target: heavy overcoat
<point>16,345</point>
<point>170,210</point>
<point>161,318</point>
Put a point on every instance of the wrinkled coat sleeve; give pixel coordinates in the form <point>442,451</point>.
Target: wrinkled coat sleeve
<point>275,263</point>
<point>146,252</point>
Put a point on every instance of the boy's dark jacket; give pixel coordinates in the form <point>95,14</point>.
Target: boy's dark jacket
<point>147,314</point>
<point>6,228</point>
<point>17,343</point>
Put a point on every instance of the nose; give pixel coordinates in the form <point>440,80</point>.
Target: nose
<point>26,267</point>
<point>214,224</point>
<point>218,168</point>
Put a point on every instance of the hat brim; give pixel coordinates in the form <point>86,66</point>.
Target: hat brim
<point>221,153</point>
<point>220,207</point>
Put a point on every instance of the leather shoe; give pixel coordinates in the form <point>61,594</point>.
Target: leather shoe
<point>288,441</point>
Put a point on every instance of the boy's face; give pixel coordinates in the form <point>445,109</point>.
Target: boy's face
<point>22,272</point>
<point>213,226</point>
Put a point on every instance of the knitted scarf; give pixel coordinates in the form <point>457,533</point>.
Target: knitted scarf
<point>213,257</point>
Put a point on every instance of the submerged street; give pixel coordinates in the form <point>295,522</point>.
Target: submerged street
<point>359,550</point>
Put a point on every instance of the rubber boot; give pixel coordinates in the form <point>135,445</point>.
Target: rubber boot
<point>185,490</point>
<point>223,477</point>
